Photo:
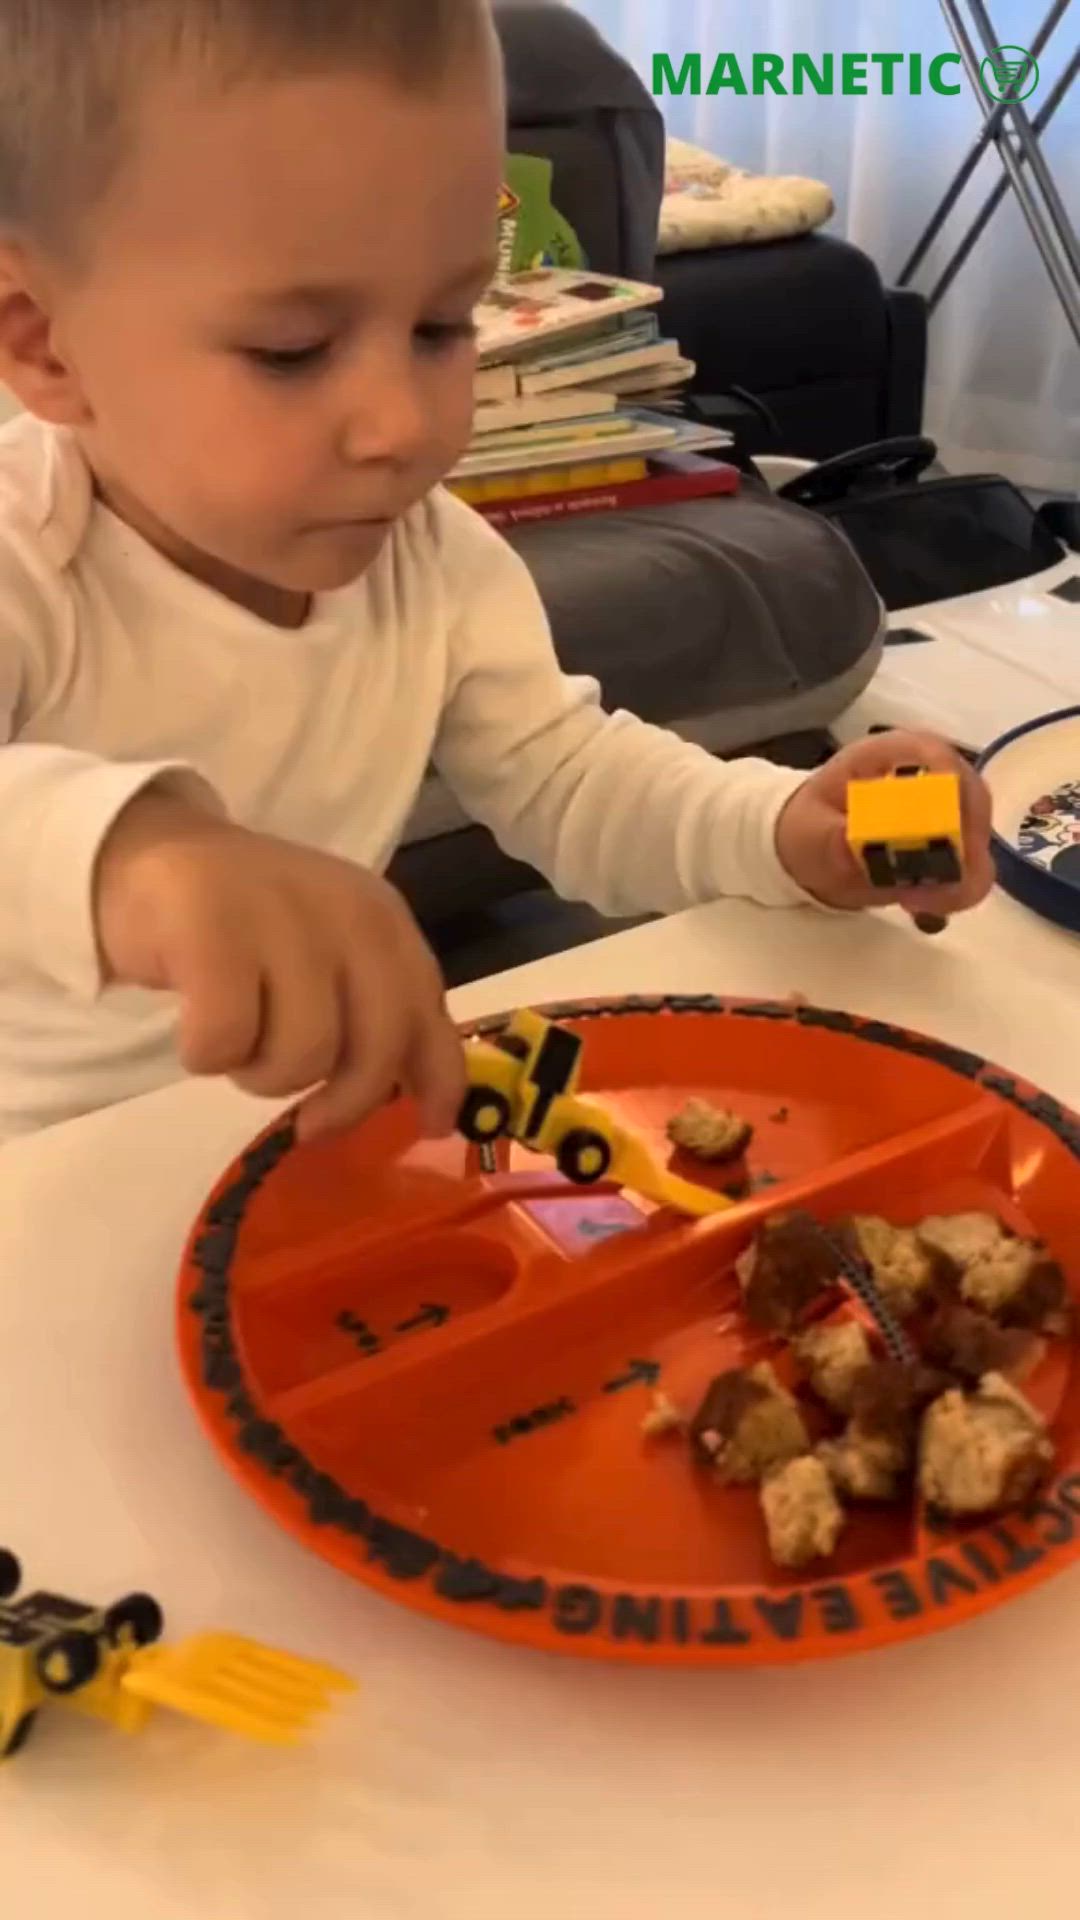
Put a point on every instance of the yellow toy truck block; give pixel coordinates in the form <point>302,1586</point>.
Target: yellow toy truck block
<point>523,1083</point>
<point>906,830</point>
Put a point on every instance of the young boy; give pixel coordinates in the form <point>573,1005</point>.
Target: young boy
<point>241,245</point>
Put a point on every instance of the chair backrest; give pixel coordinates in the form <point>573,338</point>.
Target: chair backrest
<point>574,101</point>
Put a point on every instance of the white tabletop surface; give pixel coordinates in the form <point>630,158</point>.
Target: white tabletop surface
<point>468,1781</point>
<point>993,660</point>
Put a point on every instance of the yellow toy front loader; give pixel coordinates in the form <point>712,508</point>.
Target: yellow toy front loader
<point>523,1083</point>
<point>103,1662</point>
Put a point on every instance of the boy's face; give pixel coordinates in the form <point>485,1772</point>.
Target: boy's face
<point>271,331</point>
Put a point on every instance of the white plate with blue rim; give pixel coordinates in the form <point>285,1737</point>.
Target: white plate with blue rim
<point>1034,777</point>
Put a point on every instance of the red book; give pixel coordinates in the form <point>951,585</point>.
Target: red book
<point>674,477</point>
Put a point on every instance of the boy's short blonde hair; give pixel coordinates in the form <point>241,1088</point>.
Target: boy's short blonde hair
<point>69,68</point>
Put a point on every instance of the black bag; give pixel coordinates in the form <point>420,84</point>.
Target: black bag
<point>923,540</point>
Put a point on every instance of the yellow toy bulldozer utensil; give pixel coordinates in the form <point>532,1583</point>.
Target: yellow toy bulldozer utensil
<point>236,1684</point>
<point>104,1663</point>
<point>523,1083</point>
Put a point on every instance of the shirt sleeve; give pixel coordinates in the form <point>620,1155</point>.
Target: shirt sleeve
<point>57,806</point>
<point>614,812</point>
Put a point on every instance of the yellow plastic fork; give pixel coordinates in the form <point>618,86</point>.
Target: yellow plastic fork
<point>236,1684</point>
<point>634,1168</point>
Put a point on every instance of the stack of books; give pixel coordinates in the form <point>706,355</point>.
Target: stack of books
<point>577,404</point>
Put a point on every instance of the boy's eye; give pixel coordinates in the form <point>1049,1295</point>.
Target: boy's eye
<point>437,336</point>
<point>287,360</point>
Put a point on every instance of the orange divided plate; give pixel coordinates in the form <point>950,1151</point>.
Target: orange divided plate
<point>437,1379</point>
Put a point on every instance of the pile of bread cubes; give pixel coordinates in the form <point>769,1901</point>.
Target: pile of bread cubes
<point>950,1427</point>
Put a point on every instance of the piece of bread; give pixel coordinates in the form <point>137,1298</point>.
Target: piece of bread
<point>889,1397</point>
<point>982,1452</point>
<point>710,1133</point>
<point>803,1517</point>
<point>968,1344</point>
<point>996,1271</point>
<point>787,1268</point>
<point>866,1466</point>
<point>902,1267</point>
<point>748,1424</point>
<point>833,1358</point>
<point>663,1417</point>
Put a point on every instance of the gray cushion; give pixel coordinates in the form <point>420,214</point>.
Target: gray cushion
<point>710,604</point>
<point>731,621</point>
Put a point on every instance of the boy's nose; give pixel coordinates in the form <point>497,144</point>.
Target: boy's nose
<point>387,420</point>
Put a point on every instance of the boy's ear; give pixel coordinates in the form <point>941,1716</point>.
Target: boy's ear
<point>43,382</point>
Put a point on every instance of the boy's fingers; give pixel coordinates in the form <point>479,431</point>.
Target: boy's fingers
<point>376,1031</point>
<point>302,1030</point>
<point>944,901</point>
<point>221,1005</point>
<point>436,1073</point>
<point>844,881</point>
<point>882,753</point>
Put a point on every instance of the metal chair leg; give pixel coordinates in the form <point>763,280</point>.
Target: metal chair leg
<point>1007,122</point>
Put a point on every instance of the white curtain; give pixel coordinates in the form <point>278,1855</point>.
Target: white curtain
<point>1004,383</point>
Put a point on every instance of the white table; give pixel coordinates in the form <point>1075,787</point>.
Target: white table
<point>993,661</point>
<point>466,1781</point>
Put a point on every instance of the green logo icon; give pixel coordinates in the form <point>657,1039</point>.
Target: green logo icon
<point>1009,73</point>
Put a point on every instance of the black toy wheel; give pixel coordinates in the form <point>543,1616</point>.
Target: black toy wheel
<point>137,1618</point>
<point>20,1736</point>
<point>583,1157</point>
<point>484,1116</point>
<point>68,1661</point>
<point>10,1574</point>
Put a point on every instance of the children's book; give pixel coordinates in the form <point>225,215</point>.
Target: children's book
<point>549,303</point>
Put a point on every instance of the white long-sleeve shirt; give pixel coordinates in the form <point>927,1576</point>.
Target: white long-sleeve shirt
<point>116,667</point>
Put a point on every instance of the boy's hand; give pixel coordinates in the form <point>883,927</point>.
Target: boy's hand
<point>811,835</point>
<point>294,969</point>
